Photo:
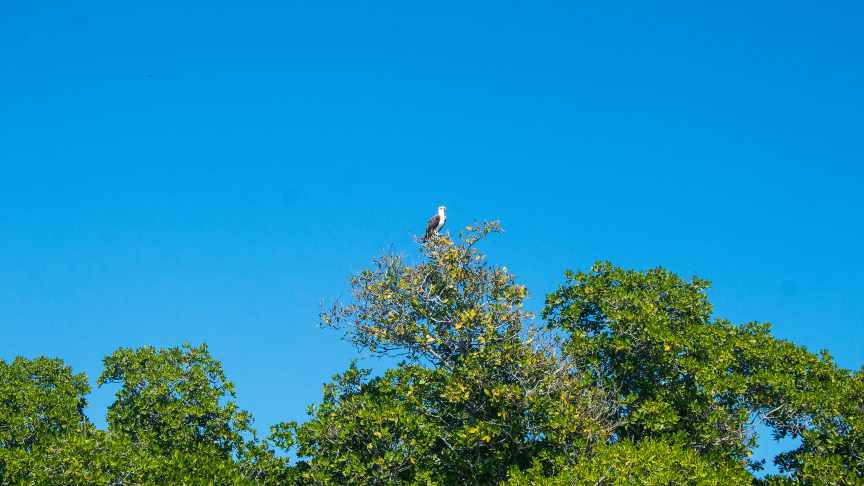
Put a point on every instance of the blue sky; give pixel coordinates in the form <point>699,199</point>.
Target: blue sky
<point>207,172</point>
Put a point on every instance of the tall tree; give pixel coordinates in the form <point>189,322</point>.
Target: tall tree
<point>481,389</point>
<point>628,380</point>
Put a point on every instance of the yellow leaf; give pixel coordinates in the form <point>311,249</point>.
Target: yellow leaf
<point>430,340</point>
<point>667,348</point>
<point>472,431</point>
<point>529,341</point>
<point>487,438</point>
<point>459,326</point>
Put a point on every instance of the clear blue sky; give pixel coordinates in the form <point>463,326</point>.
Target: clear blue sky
<point>207,171</point>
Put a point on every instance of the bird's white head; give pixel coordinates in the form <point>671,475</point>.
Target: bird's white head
<point>442,210</point>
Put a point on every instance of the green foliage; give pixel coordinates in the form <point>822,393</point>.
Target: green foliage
<point>630,370</point>
<point>649,462</point>
<point>168,420</point>
<point>628,379</point>
<point>40,400</point>
<point>44,436</point>
<point>166,426</point>
<point>832,444</point>
<point>705,383</point>
<point>169,399</point>
<point>482,388</point>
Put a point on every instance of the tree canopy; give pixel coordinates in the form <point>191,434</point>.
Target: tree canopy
<point>625,377</point>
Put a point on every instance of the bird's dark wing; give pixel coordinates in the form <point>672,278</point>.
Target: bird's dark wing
<point>433,223</point>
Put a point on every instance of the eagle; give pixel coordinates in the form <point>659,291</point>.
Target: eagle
<point>436,223</point>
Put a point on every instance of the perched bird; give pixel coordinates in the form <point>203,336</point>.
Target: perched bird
<point>436,223</point>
